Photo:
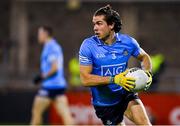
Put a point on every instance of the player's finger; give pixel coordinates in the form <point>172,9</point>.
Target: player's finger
<point>130,79</point>
<point>130,82</point>
<point>129,86</point>
<point>150,80</point>
<point>125,72</point>
<point>126,88</point>
<point>148,83</point>
<point>148,73</point>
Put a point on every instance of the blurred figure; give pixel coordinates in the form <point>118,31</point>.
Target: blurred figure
<point>158,66</point>
<point>52,79</point>
<point>74,79</point>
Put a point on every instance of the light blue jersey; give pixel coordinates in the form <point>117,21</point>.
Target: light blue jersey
<point>52,52</point>
<point>108,60</point>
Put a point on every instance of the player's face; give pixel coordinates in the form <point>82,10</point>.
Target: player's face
<point>42,35</point>
<point>101,28</point>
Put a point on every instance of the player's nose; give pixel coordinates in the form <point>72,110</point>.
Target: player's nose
<point>95,28</point>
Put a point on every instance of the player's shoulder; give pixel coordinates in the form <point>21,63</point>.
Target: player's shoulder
<point>54,45</point>
<point>89,41</point>
<point>125,38</point>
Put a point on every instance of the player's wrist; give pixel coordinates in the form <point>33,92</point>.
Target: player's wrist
<point>111,79</point>
<point>37,79</point>
<point>47,75</point>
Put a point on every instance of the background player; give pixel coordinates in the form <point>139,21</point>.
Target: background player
<point>103,60</point>
<point>52,78</point>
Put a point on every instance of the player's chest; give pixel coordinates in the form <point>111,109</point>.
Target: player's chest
<point>104,55</point>
<point>44,56</point>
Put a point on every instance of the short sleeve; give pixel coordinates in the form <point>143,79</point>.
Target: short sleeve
<point>53,55</point>
<point>137,48</point>
<point>85,55</point>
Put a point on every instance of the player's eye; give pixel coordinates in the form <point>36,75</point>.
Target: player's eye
<point>99,23</point>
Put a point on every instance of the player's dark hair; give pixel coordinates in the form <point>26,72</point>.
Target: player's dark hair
<point>48,29</point>
<point>111,16</point>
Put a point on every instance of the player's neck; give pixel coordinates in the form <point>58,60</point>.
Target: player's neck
<point>48,39</point>
<point>110,39</point>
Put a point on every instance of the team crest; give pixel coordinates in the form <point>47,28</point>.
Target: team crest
<point>125,53</point>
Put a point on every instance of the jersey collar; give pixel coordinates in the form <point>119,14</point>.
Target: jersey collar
<point>100,43</point>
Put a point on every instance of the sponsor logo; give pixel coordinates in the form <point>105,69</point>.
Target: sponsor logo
<point>112,70</point>
<point>108,122</point>
<point>100,55</point>
<point>88,114</point>
<point>175,116</point>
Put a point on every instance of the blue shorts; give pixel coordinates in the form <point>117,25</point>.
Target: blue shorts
<point>113,115</point>
<point>51,93</point>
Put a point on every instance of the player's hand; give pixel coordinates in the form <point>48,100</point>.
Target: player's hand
<point>128,83</point>
<point>37,79</point>
<point>149,80</point>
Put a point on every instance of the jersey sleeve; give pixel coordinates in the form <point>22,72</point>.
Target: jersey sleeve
<point>85,55</point>
<point>53,54</point>
<point>137,48</point>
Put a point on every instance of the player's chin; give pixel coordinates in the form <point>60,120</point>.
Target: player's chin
<point>100,37</point>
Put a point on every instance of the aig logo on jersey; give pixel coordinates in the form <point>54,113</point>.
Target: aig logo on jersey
<point>112,70</point>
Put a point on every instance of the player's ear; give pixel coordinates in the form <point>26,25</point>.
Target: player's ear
<point>111,26</point>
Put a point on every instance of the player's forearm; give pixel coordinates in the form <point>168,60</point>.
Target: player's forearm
<point>52,71</point>
<point>146,62</point>
<point>94,80</point>
<point>49,74</point>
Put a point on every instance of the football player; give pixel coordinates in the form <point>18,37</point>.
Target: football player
<point>103,62</point>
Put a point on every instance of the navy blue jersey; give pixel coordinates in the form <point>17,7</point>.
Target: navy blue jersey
<point>108,60</point>
<point>52,52</point>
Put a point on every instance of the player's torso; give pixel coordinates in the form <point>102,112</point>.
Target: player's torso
<point>58,79</point>
<point>109,61</point>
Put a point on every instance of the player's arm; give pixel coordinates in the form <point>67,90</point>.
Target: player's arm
<point>52,59</point>
<point>89,79</point>
<point>145,60</point>
<point>52,71</point>
<point>142,56</point>
<point>85,60</point>
<point>146,65</point>
<point>40,77</point>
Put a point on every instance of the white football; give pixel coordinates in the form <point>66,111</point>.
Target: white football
<point>141,78</point>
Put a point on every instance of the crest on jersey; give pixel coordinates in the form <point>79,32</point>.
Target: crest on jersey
<point>125,53</point>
